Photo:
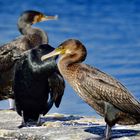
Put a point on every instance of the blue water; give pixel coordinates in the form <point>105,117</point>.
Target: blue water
<point>110,30</point>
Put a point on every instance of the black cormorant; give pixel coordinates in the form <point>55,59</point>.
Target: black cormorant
<point>37,85</point>
<point>10,52</point>
<point>101,91</point>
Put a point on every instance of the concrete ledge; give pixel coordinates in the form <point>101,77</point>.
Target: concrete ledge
<point>62,127</point>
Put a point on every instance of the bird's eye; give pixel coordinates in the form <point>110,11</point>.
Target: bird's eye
<point>37,18</point>
<point>62,47</point>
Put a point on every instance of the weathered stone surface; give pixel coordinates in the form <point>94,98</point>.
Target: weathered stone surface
<point>62,127</point>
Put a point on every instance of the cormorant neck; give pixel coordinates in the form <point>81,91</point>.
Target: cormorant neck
<point>70,59</point>
<point>27,29</point>
<point>23,27</point>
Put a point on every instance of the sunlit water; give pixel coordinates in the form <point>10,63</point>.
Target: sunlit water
<point>110,30</point>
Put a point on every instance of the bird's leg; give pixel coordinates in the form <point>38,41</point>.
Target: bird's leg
<point>107,132</point>
<point>11,104</point>
<point>39,120</point>
<point>110,118</point>
<point>23,121</point>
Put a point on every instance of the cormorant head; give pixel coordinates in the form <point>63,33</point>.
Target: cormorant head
<point>71,48</point>
<point>32,17</point>
<point>38,52</point>
<point>35,62</point>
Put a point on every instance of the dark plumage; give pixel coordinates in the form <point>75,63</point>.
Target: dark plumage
<point>37,85</point>
<point>102,92</point>
<point>10,52</point>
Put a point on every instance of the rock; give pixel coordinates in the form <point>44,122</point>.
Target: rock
<point>62,127</point>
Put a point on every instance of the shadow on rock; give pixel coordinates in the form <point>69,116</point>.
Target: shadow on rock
<point>59,118</point>
<point>116,133</point>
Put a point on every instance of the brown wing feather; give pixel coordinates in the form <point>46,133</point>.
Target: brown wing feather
<point>103,87</point>
<point>10,52</point>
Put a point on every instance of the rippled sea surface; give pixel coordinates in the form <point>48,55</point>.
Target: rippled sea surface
<point>110,30</point>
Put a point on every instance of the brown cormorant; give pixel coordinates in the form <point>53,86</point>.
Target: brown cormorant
<point>37,85</point>
<point>10,52</point>
<point>102,92</point>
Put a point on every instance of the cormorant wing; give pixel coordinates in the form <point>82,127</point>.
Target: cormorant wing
<point>11,51</point>
<point>20,43</point>
<point>57,86</point>
<point>103,87</point>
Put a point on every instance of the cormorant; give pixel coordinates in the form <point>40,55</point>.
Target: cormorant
<point>37,85</point>
<point>102,92</point>
<point>10,52</point>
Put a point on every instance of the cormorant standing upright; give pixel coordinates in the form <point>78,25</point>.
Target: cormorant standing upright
<point>10,52</point>
<point>102,92</point>
<point>37,85</point>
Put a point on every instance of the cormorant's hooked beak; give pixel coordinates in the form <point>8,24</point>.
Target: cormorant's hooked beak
<point>40,18</point>
<point>57,51</point>
<point>44,18</point>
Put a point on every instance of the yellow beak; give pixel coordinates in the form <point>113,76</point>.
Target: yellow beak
<point>44,18</point>
<point>40,18</point>
<point>51,54</point>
